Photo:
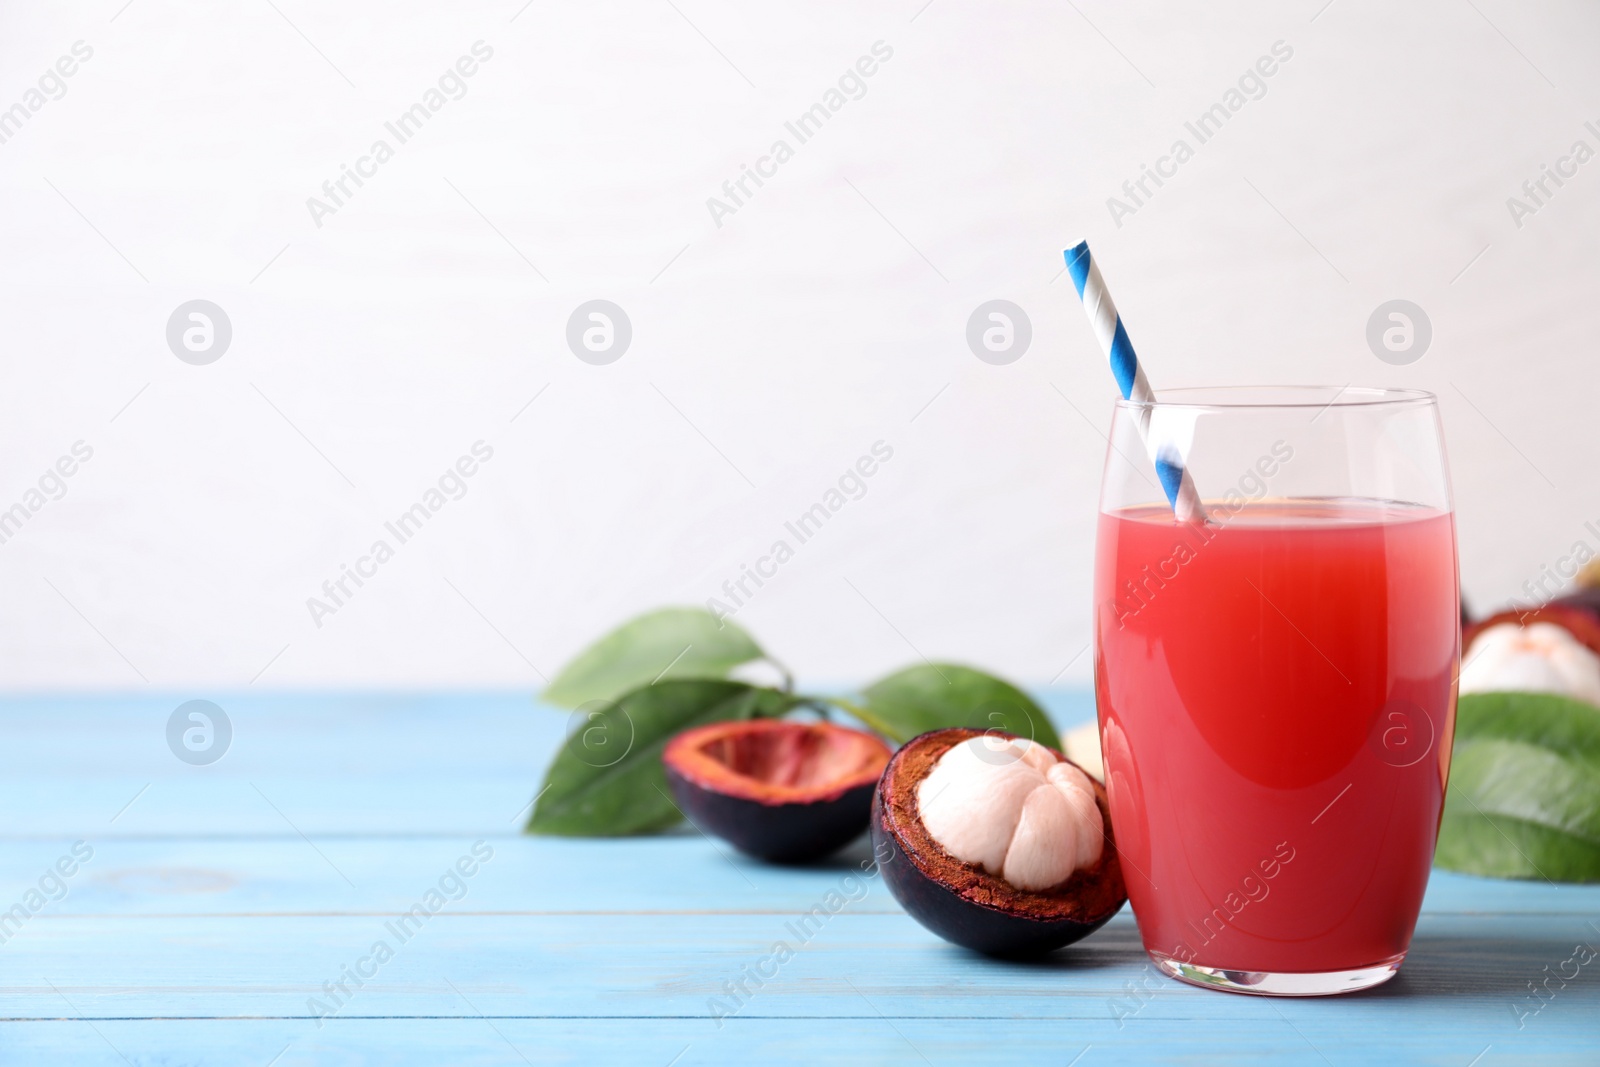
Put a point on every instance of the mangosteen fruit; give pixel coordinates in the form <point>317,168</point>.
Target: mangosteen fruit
<point>1552,649</point>
<point>777,789</point>
<point>996,843</point>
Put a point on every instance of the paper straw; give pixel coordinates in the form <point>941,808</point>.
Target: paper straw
<point>1113,338</point>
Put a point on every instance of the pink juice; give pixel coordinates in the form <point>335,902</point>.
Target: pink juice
<point>1276,697</point>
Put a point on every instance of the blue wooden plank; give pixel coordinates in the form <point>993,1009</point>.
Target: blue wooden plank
<point>318,763</point>
<point>680,873</point>
<point>362,735</point>
<point>1456,1000</point>
<point>1467,972</point>
<point>867,1040</point>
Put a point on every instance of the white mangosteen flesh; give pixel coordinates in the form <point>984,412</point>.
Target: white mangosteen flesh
<point>1542,658</point>
<point>1013,809</point>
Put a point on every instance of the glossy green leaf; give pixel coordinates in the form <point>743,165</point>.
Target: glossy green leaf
<point>669,643</point>
<point>937,695</point>
<point>1524,797</point>
<point>1544,719</point>
<point>607,779</point>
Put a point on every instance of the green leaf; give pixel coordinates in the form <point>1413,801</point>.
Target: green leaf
<point>1555,722</point>
<point>669,643</point>
<point>937,695</point>
<point>607,779</point>
<point>1524,797</point>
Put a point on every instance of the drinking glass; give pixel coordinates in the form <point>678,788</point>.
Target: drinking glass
<point>1276,684</point>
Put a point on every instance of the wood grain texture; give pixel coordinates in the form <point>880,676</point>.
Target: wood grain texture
<point>217,904</point>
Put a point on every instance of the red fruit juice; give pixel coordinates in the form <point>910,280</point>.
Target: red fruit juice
<point>1277,698</point>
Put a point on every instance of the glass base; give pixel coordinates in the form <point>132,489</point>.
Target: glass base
<point>1282,983</point>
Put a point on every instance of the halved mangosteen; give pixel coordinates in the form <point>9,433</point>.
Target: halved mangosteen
<point>996,843</point>
<point>780,790</point>
<point>1573,614</point>
<point>1549,649</point>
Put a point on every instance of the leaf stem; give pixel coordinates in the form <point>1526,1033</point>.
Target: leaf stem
<point>788,679</point>
<point>862,713</point>
<point>817,704</point>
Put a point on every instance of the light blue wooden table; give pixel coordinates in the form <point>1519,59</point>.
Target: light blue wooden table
<point>220,899</point>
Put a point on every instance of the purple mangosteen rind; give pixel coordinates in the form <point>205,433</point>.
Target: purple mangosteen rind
<point>775,832</point>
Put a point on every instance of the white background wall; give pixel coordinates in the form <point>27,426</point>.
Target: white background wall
<point>823,316</point>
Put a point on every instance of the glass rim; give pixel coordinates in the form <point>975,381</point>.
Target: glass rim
<point>1268,397</point>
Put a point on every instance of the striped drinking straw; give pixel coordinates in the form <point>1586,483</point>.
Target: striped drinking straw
<point>1108,330</point>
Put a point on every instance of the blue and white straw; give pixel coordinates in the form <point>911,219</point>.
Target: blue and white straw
<point>1113,338</point>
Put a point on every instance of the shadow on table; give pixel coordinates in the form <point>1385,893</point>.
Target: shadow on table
<point>1111,946</point>
<point>1449,965</point>
<point>1115,945</point>
<point>850,857</point>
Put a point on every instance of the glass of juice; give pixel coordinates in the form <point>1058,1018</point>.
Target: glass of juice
<point>1276,683</point>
